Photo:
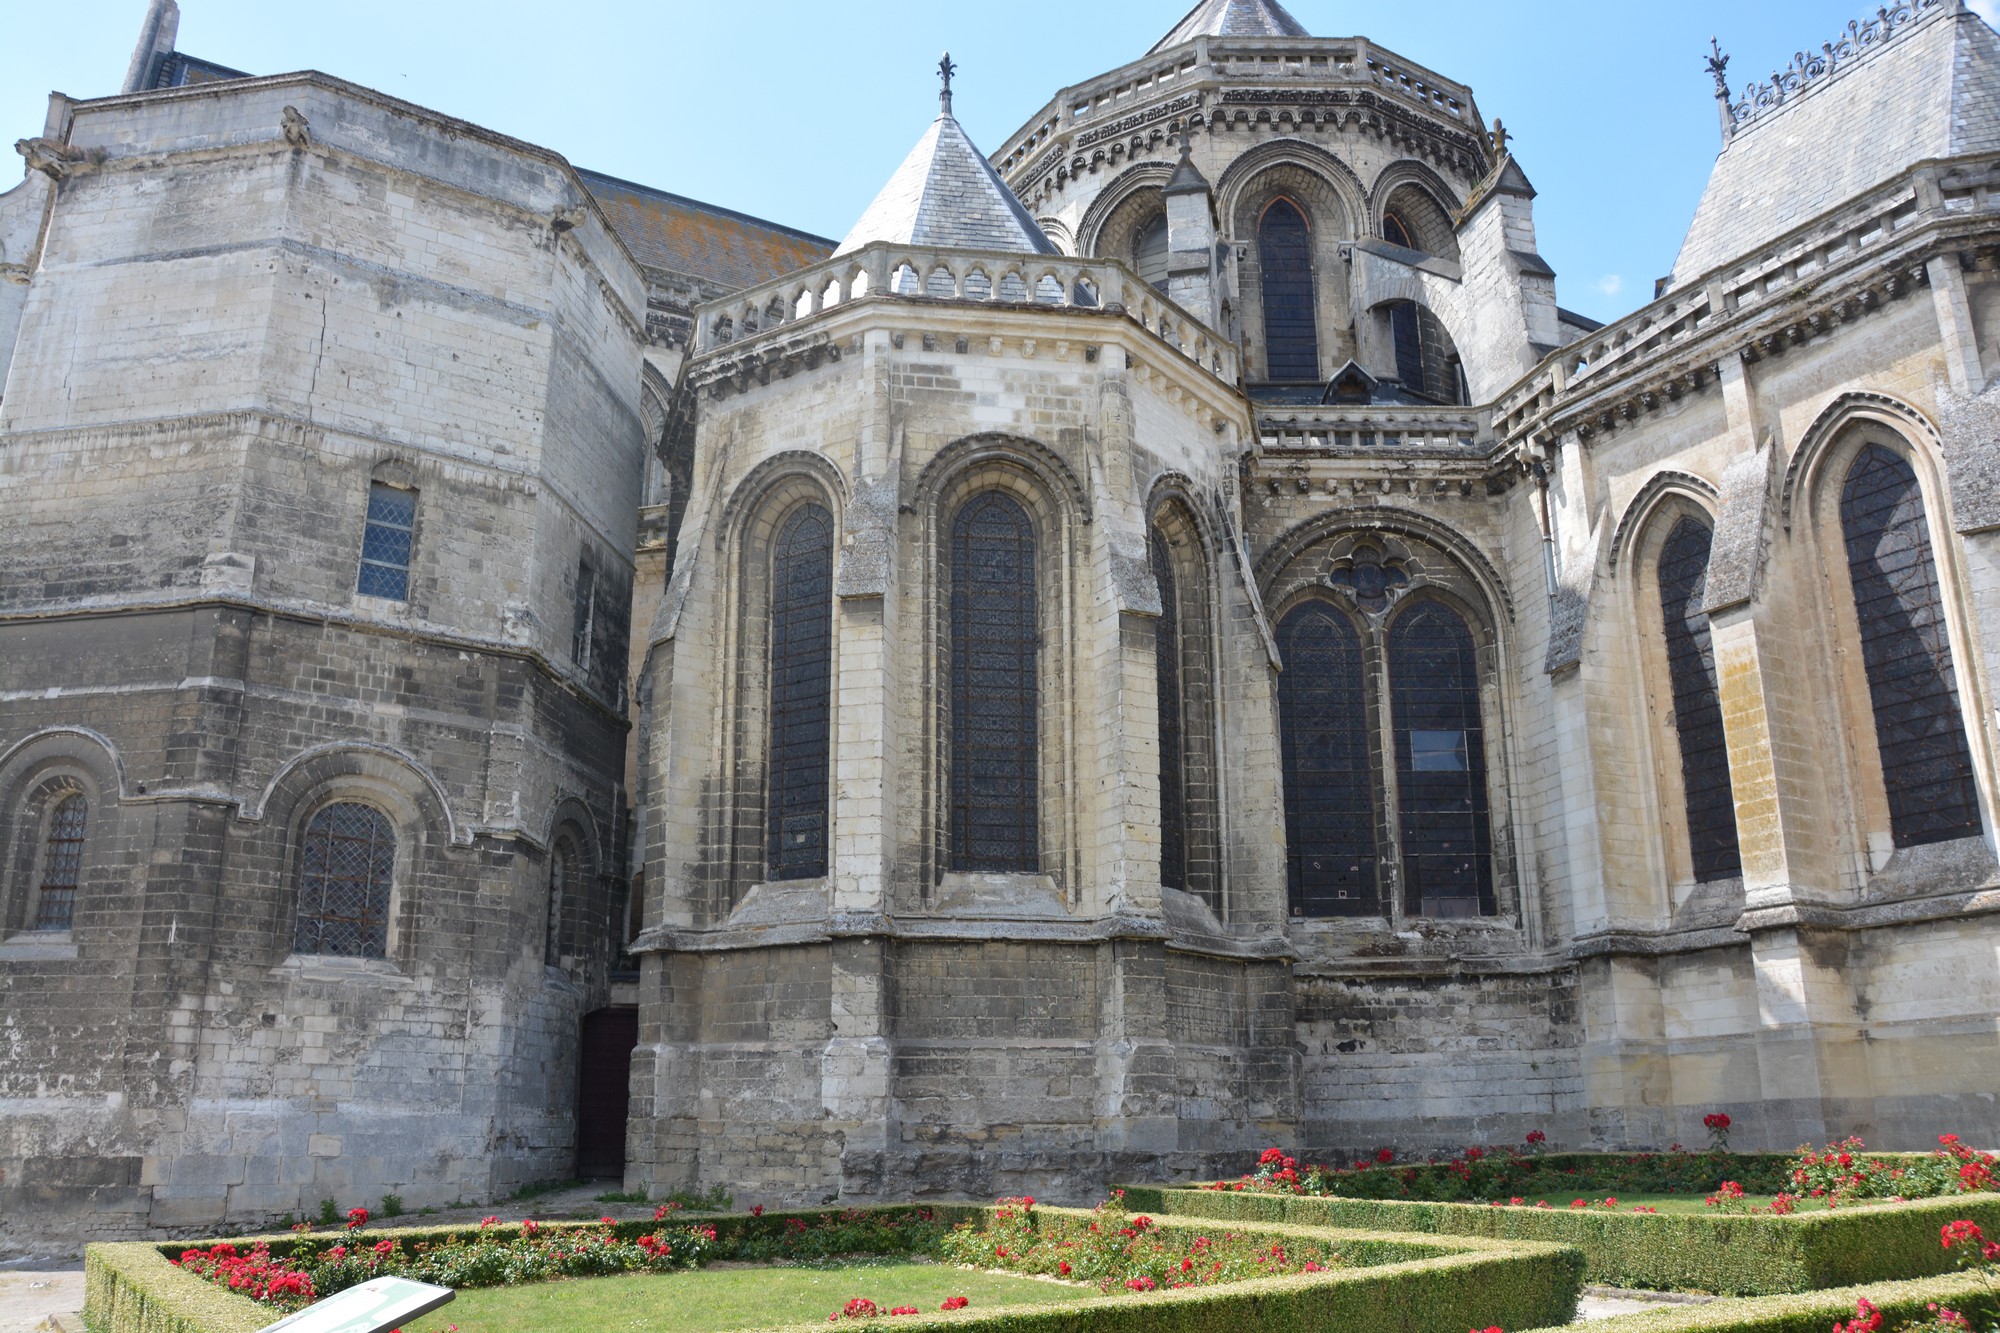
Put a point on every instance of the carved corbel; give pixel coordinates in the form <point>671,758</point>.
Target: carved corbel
<point>298,131</point>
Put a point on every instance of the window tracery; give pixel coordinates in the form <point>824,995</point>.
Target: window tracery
<point>1383,703</point>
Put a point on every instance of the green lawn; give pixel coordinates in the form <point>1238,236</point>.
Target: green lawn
<point>711,1300</point>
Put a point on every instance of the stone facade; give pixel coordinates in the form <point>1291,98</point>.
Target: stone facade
<point>240,308</point>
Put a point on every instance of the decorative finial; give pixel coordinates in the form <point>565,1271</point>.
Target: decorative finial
<point>1500,136</point>
<point>945,70</point>
<point>1718,66</point>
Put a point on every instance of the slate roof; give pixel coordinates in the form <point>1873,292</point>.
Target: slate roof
<point>1933,90</point>
<point>1232,18</point>
<point>685,236</point>
<point>946,193</point>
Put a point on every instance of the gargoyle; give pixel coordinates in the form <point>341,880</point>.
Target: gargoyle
<point>297,132</point>
<point>49,156</point>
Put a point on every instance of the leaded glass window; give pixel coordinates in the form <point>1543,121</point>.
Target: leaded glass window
<point>1697,722</point>
<point>801,685</point>
<point>1284,255</point>
<point>1440,764</point>
<point>62,863</point>
<point>1329,784</point>
<point>1173,765</point>
<point>1906,651</point>
<point>995,641</point>
<point>387,542</point>
<point>345,870</point>
<point>558,892</point>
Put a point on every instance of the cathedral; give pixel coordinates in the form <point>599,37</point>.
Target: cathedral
<point>1163,640</point>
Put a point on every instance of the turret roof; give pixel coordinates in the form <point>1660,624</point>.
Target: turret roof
<point>1233,18</point>
<point>946,193</point>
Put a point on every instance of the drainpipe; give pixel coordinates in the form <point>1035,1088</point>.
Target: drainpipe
<point>1540,472</point>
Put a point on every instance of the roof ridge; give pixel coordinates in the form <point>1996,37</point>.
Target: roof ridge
<point>704,205</point>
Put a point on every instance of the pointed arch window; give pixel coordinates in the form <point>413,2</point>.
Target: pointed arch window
<point>62,863</point>
<point>1440,764</point>
<point>994,645</point>
<point>1284,256</point>
<point>1906,652</point>
<point>1329,786</point>
<point>1149,252</point>
<point>1709,798</point>
<point>345,870</point>
<point>801,689</point>
<point>1173,747</point>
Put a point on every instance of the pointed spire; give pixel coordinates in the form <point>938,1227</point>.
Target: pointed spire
<point>947,194</point>
<point>1232,18</point>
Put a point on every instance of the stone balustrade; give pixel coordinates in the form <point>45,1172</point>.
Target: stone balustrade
<point>929,275</point>
<point>1355,428</point>
<point>1857,237</point>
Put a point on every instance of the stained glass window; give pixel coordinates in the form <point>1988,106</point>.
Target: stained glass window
<point>801,685</point>
<point>1284,253</point>
<point>994,797</point>
<point>344,875</point>
<point>1906,650</point>
<point>1711,803</point>
<point>62,863</point>
<point>1440,764</point>
<point>386,543</point>
<point>1173,766</point>
<point>1329,786</point>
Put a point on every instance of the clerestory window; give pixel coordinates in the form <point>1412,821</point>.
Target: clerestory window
<point>1149,252</point>
<point>1284,257</point>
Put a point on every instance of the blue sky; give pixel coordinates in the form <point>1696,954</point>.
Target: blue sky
<point>798,111</point>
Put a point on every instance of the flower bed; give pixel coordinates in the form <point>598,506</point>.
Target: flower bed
<point>1839,1173</point>
<point>1727,1254</point>
<point>1406,1283</point>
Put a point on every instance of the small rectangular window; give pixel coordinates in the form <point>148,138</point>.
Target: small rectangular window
<point>583,612</point>
<point>387,542</point>
<point>1437,751</point>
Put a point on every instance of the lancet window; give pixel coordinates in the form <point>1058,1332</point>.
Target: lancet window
<point>994,645</point>
<point>801,680</point>
<point>1906,652</point>
<point>1167,652</point>
<point>1697,711</point>
<point>1284,254</point>
<point>1330,820</point>
<point>1440,764</point>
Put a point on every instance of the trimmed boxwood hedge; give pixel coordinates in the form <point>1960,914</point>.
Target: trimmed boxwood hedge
<point>1812,1312</point>
<point>1731,1255</point>
<point>1419,1284</point>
